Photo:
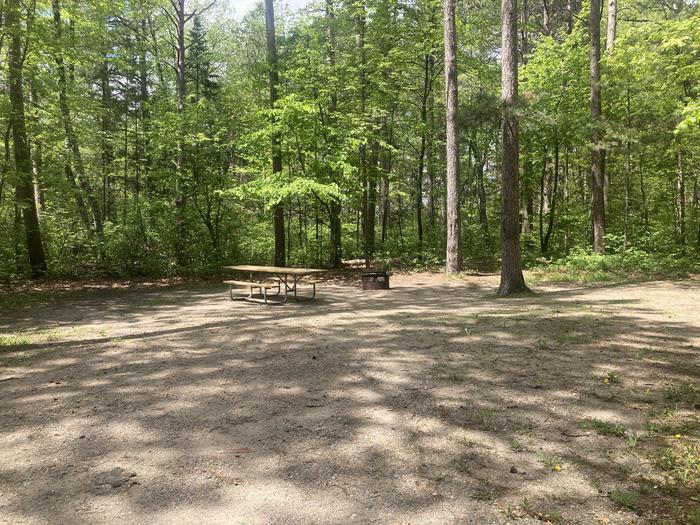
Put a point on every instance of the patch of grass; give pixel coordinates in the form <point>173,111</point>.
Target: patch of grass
<point>627,499</point>
<point>681,464</point>
<point>555,517</point>
<point>672,422</point>
<point>604,428</point>
<point>516,446</point>
<point>686,392</point>
<point>21,300</point>
<point>26,337</point>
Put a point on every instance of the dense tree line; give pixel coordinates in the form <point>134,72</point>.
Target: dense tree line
<point>165,136</point>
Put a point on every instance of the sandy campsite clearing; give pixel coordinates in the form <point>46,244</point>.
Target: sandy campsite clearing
<point>431,403</point>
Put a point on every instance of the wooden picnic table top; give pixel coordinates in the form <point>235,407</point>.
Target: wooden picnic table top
<point>274,269</point>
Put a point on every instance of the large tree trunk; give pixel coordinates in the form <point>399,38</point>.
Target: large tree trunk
<point>512,280</point>
<point>71,136</point>
<point>280,254</point>
<point>454,257</point>
<point>597,150</point>
<point>24,189</point>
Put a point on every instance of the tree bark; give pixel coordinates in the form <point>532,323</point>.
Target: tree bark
<point>24,189</point>
<point>512,280</point>
<point>454,258</point>
<point>597,149</point>
<point>273,75</point>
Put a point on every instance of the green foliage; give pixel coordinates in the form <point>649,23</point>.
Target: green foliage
<point>584,265</point>
<point>360,112</point>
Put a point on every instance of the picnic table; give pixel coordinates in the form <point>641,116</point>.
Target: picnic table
<point>277,278</point>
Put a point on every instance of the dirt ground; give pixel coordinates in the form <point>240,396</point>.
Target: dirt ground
<point>431,403</point>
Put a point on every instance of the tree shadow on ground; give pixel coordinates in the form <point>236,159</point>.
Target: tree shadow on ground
<point>422,404</point>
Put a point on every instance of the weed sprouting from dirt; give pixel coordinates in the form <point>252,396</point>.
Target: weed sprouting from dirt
<point>604,428</point>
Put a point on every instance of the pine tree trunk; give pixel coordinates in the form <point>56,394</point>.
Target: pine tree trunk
<point>597,150</point>
<point>454,258</point>
<point>24,189</point>
<point>512,280</point>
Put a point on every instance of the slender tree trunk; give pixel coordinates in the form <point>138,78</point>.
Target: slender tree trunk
<point>430,154</point>
<point>680,198</point>
<point>334,208</point>
<point>427,80</point>
<point>179,20</point>
<point>565,198</point>
<point>24,189</point>
<point>385,208</point>
<point>71,136</point>
<point>454,257</point>
<point>597,150</point>
<point>479,164</point>
<point>371,202</point>
<point>512,280</point>
<point>643,191</point>
<point>628,164</point>
<point>612,26</point>
<point>626,218</point>
<point>696,205</point>
<point>107,147</point>
<point>37,156</point>
<point>546,28</point>
<point>280,255</point>
<point>552,202</point>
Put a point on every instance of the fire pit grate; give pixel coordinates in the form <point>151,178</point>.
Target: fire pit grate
<point>375,281</point>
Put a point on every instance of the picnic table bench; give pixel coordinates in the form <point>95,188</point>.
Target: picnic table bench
<point>284,279</point>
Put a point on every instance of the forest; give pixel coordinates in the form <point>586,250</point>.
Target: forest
<point>164,137</point>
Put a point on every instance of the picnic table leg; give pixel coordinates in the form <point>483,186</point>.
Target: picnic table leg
<point>284,280</point>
